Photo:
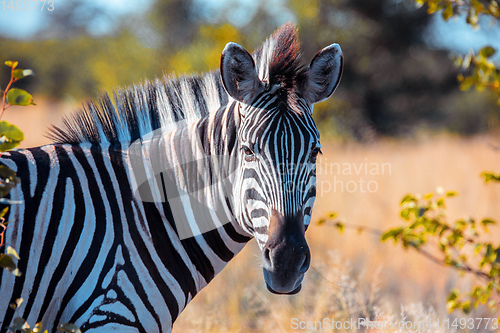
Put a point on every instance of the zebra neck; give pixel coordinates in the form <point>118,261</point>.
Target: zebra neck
<point>187,173</point>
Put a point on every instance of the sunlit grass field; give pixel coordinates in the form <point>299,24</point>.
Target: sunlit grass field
<point>353,274</point>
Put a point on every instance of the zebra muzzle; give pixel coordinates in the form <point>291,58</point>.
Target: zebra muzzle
<point>286,256</point>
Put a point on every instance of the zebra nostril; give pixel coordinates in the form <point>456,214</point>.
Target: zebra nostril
<point>307,260</point>
<point>267,256</point>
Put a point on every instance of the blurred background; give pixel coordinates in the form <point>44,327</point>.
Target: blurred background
<point>399,104</point>
<point>398,78</point>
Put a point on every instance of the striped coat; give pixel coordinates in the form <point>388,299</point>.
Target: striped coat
<point>141,201</point>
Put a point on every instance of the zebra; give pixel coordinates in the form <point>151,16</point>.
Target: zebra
<point>98,230</point>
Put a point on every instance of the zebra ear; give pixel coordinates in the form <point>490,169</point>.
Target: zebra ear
<point>238,73</point>
<point>324,73</point>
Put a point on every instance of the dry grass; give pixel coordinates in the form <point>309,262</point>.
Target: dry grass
<point>352,275</point>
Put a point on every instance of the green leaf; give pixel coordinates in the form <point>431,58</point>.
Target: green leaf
<point>12,252</point>
<point>20,97</point>
<point>477,292</point>
<point>452,302</point>
<point>19,324</point>
<point>419,3</point>
<point>332,215</point>
<point>12,135</point>
<point>340,226</point>
<point>70,328</point>
<point>6,172</point>
<point>486,222</point>
<point>428,196</point>
<point>20,73</point>
<point>472,17</point>
<point>477,248</point>
<point>3,212</point>
<point>448,12</point>
<point>4,146</point>
<point>490,177</point>
<point>451,194</point>
<point>405,213</point>
<point>491,254</point>
<point>477,6</point>
<point>467,83</point>
<point>17,303</point>
<point>37,328</point>
<point>8,180</point>
<point>433,6</point>
<point>12,64</point>
<point>391,233</point>
<point>493,8</point>
<point>407,199</point>
<point>487,51</point>
<point>466,307</point>
<point>493,272</point>
<point>7,262</point>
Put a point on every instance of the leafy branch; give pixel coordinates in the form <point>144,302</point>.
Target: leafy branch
<point>10,137</point>
<point>472,8</point>
<point>490,177</point>
<point>15,96</point>
<point>458,245</point>
<point>479,70</point>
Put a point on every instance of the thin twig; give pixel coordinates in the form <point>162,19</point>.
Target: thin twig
<point>12,80</point>
<point>494,147</point>
<point>425,253</point>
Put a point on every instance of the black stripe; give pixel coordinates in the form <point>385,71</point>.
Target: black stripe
<point>196,95</point>
<point>199,259</point>
<point>253,194</point>
<point>59,197</point>
<point>231,130</point>
<point>42,161</point>
<point>131,116</point>
<point>256,213</point>
<point>235,236</point>
<point>217,245</point>
<point>174,101</point>
<point>154,220</point>
<point>167,254</point>
<point>88,262</point>
<point>152,100</point>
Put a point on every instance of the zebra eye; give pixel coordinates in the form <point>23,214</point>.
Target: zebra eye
<point>314,154</point>
<point>249,154</point>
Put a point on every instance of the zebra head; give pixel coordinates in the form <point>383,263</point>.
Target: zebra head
<point>275,181</point>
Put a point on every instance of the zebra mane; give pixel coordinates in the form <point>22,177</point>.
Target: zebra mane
<point>140,109</point>
<point>278,59</point>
